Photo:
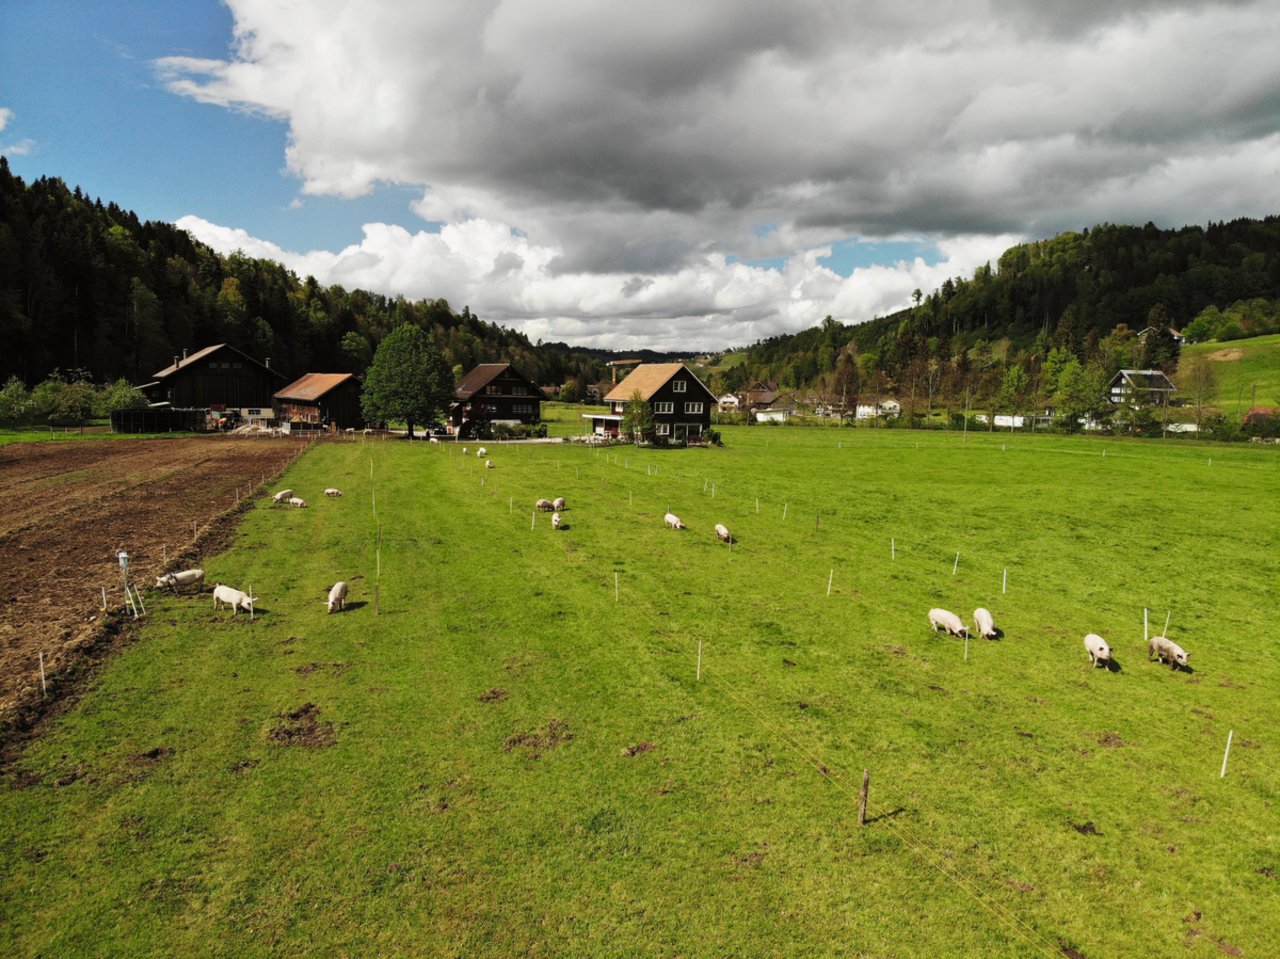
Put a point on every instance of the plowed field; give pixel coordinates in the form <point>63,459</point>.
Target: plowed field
<point>67,509</point>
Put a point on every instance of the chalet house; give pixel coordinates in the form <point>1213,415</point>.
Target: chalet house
<point>759,395</point>
<point>1140,387</point>
<point>681,404</point>
<point>323,399</point>
<point>494,393</point>
<point>730,403</point>
<point>218,378</point>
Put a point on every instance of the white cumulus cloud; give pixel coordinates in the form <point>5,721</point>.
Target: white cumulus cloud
<point>600,170</point>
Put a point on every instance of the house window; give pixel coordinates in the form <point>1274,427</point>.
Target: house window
<point>252,412</point>
<point>678,386</point>
<point>492,391</point>
<point>662,429</point>
<point>664,407</point>
<point>693,408</point>
<point>519,391</point>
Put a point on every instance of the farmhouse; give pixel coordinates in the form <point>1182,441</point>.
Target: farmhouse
<point>730,403</point>
<point>218,378</point>
<point>494,393</point>
<point>1142,387</point>
<point>680,403</point>
<point>759,395</point>
<point>322,399</point>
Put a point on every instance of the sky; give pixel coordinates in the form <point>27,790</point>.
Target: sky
<point>670,175</point>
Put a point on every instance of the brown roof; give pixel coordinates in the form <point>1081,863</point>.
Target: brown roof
<point>198,355</point>
<point>648,378</point>
<point>207,351</point>
<point>313,386</point>
<point>483,375</point>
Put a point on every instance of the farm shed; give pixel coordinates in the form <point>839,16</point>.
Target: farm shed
<point>329,399</point>
<point>867,411</point>
<point>494,393</point>
<point>218,377</point>
<point>1149,387</point>
<point>681,404</point>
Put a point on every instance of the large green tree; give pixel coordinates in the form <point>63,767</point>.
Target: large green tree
<point>407,381</point>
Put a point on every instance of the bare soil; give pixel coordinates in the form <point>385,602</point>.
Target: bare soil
<point>67,509</point>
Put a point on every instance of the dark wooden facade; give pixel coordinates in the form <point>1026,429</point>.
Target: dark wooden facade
<point>326,399</point>
<point>219,378</point>
<point>494,393</point>
<point>681,404</point>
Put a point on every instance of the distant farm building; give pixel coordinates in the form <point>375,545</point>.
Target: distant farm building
<point>882,408</point>
<point>730,403</point>
<point>493,394</point>
<point>782,408</point>
<point>219,378</point>
<point>680,403</point>
<point>759,395</point>
<point>1145,387</point>
<point>321,399</point>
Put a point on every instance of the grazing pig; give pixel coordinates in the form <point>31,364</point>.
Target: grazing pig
<point>558,503</point>
<point>297,502</point>
<point>283,495</point>
<point>188,577</point>
<point>1166,650</point>
<point>555,520</point>
<point>481,453</point>
<point>332,492</point>
<point>1098,650</point>
<point>984,622</point>
<point>946,620</point>
<point>338,596</point>
<point>722,533</point>
<point>545,505</point>
<point>464,451</point>
<point>235,598</point>
<point>488,464</point>
<point>672,521</point>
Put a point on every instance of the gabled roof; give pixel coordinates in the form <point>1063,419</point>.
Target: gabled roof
<point>486,373</point>
<point>648,378</point>
<point>1144,379</point>
<point>313,386</point>
<point>207,352</point>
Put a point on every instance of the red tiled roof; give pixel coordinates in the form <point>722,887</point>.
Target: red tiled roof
<point>313,386</point>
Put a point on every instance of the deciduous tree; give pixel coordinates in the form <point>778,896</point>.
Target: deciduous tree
<point>408,380</point>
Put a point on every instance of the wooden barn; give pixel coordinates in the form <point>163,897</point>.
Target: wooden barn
<point>218,378</point>
<point>324,399</point>
<point>494,393</point>
<point>681,404</point>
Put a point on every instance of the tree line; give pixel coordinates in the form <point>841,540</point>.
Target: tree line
<point>88,287</point>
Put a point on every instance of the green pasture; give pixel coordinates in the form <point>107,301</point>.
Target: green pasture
<point>505,748</point>
<point>1248,371</point>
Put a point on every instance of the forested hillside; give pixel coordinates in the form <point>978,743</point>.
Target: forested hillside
<point>1088,294</point>
<point>89,287</point>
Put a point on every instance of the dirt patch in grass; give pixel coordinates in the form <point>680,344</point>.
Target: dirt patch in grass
<point>492,695</point>
<point>302,727</point>
<point>1086,828</point>
<point>243,765</point>
<point>309,668</point>
<point>637,749</point>
<point>1071,952</point>
<point>1229,355</point>
<point>537,741</point>
<point>1111,740</point>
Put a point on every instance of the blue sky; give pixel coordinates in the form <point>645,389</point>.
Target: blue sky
<point>83,88</point>
<point>667,174</point>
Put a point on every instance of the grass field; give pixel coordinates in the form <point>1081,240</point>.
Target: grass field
<point>512,755</point>
<point>1248,370</point>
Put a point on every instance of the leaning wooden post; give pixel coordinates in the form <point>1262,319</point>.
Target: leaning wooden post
<point>862,805</point>
<point>44,691</point>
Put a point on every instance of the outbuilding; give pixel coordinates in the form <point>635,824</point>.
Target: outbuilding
<point>322,399</point>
